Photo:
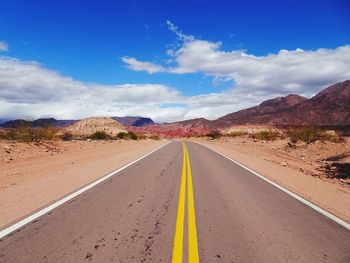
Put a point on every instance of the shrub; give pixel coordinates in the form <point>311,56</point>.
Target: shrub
<point>214,134</point>
<point>265,135</point>
<point>127,135</point>
<point>99,135</point>
<point>305,134</point>
<point>29,134</point>
<point>141,137</point>
<point>122,135</point>
<point>132,135</point>
<point>236,134</point>
<point>66,136</point>
<point>310,135</point>
<point>154,137</point>
<point>9,135</point>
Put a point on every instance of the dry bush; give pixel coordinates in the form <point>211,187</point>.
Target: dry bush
<point>132,135</point>
<point>311,134</point>
<point>30,134</point>
<point>127,135</point>
<point>122,135</point>
<point>214,134</point>
<point>8,135</point>
<point>265,135</point>
<point>236,134</point>
<point>141,136</point>
<point>66,136</point>
<point>99,135</point>
<point>154,137</point>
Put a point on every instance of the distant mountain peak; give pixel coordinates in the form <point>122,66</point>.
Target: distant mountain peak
<point>328,107</point>
<point>287,101</point>
<point>134,121</point>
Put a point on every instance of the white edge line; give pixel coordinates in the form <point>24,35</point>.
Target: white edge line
<point>47,209</point>
<point>299,198</point>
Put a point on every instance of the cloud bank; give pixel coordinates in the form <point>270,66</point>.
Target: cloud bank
<point>288,71</point>
<point>29,90</point>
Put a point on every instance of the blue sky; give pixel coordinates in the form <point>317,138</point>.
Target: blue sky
<point>193,51</point>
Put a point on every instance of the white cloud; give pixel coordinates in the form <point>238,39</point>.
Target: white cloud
<point>288,71</point>
<point>3,46</point>
<point>27,89</point>
<point>179,33</point>
<point>137,65</point>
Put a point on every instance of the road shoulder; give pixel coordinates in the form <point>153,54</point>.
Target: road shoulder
<point>331,197</point>
<point>32,183</point>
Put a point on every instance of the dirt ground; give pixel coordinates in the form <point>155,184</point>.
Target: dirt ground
<point>32,176</point>
<point>304,169</point>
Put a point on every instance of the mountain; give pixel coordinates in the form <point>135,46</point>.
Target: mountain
<point>43,122</point>
<point>3,121</point>
<point>46,122</point>
<point>198,126</point>
<point>261,114</point>
<point>15,123</point>
<point>134,121</point>
<point>329,107</point>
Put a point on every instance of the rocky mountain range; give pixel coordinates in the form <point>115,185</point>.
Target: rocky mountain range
<point>46,122</point>
<point>134,121</point>
<point>42,122</point>
<point>331,106</point>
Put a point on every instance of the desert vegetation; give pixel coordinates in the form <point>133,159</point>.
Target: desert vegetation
<point>215,134</point>
<point>37,134</point>
<point>294,134</point>
<point>312,134</point>
<point>99,135</point>
<point>127,135</point>
<point>326,148</point>
<point>266,135</point>
<point>29,134</point>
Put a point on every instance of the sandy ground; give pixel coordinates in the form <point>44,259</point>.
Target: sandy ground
<point>298,169</point>
<point>32,176</point>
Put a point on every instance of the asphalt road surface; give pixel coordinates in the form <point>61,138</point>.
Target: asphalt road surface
<point>179,205</point>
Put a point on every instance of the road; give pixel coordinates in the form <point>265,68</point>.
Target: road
<point>177,204</point>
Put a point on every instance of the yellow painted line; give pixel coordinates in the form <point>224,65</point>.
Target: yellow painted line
<point>186,177</point>
<point>192,230</point>
<point>179,230</point>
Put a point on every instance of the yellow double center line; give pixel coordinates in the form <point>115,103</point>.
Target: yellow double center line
<point>191,219</point>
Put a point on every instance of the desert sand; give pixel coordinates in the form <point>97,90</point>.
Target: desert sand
<point>33,176</point>
<point>299,169</point>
